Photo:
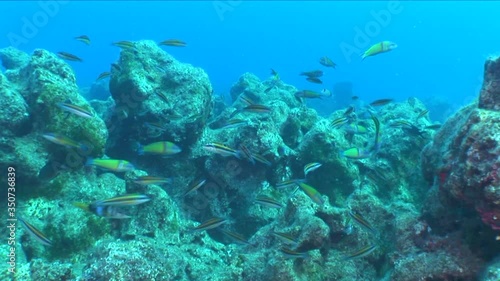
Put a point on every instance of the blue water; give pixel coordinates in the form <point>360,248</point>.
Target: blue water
<point>442,46</point>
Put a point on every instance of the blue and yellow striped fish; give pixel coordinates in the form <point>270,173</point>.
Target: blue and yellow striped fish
<point>365,251</point>
<point>65,141</point>
<point>235,237</point>
<point>268,202</point>
<point>292,254</point>
<point>195,186</point>
<point>77,110</point>
<point>35,233</point>
<point>286,238</point>
<point>145,180</point>
<point>113,165</point>
<point>311,167</point>
<point>109,212</point>
<point>124,200</point>
<point>289,183</point>
<point>210,224</point>
<point>362,222</point>
<point>221,149</point>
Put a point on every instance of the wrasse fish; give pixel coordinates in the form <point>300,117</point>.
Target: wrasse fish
<point>221,149</point>
<point>312,193</point>
<point>291,254</point>
<point>398,123</point>
<point>339,122</point>
<point>274,73</point>
<point>68,56</point>
<point>362,222</point>
<point>362,252</point>
<point>433,127</point>
<point>349,110</point>
<point>381,102</point>
<point>326,61</point>
<point>83,38</point>
<point>75,109</point>
<point>109,212</point>
<point>210,224</point>
<point>65,141</point>
<point>155,126</point>
<point>268,202</point>
<point>124,44</point>
<point>314,80</point>
<point>246,100</point>
<point>314,73</point>
<point>356,129</point>
<point>312,94</point>
<point>145,180</point>
<point>111,164</point>
<point>356,153</point>
<point>381,47</point>
<point>124,200</point>
<point>116,67</point>
<point>103,75</point>
<point>289,183</point>
<point>162,96</point>
<point>234,123</point>
<point>235,237</point>
<point>173,42</point>
<point>311,167</point>
<point>261,159</point>
<point>195,186</point>
<point>354,97</point>
<point>35,233</point>
<point>164,148</point>
<point>246,152</point>
<point>422,114</point>
<point>286,238</point>
<point>257,108</point>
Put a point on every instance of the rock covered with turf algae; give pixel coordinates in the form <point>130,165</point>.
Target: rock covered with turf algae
<point>464,155</point>
<point>41,82</point>
<point>154,87</point>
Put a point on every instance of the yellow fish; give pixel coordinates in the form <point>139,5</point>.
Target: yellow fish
<point>381,47</point>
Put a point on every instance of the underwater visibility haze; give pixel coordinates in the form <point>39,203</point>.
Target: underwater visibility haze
<point>250,140</point>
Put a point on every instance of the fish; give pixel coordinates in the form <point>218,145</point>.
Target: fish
<point>235,237</point>
<point>116,67</point>
<point>247,153</point>
<point>312,193</point>
<point>195,186</point>
<point>349,110</point>
<point>145,180</point>
<point>109,212</point>
<point>376,122</point>
<point>128,45</point>
<point>173,43</point>
<point>433,127</point>
<point>221,149</point>
<point>336,123</point>
<point>162,96</point>
<point>35,233</point>
<point>355,153</point>
<point>257,108</point>
<point>356,129</point>
<point>414,131</point>
<point>65,141</point>
<point>210,224</point>
<point>381,47</point>
<point>68,56</point>
<point>83,38</point>
<point>75,109</point>
<point>164,148</point>
<point>326,61</point>
<point>155,126</point>
<point>311,167</point>
<point>398,123</point>
<point>422,114</point>
<point>234,123</point>
<point>274,82</point>
<point>354,97</point>
<point>274,73</point>
<point>261,159</point>
<point>314,80</point>
<point>246,100</point>
<point>312,94</point>
<point>124,200</point>
<point>103,75</point>
<point>289,183</point>
<point>362,252</point>
<point>113,165</point>
<point>362,222</point>
<point>314,73</point>
<point>286,238</point>
<point>268,202</point>
<point>381,102</point>
<point>291,254</point>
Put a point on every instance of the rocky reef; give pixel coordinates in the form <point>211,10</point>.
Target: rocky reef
<point>389,215</point>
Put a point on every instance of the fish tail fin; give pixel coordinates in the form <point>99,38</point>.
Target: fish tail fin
<point>238,154</point>
<point>81,205</point>
<point>139,148</point>
<point>83,147</point>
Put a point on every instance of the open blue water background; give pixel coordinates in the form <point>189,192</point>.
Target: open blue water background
<point>442,46</point>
